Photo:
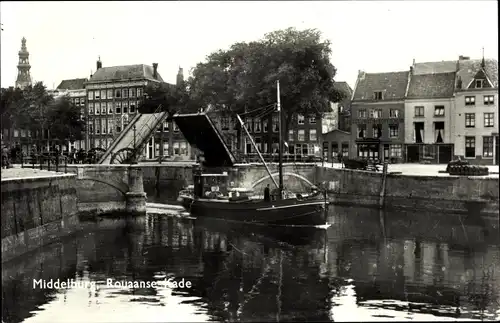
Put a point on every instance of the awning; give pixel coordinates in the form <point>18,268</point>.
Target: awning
<point>201,133</point>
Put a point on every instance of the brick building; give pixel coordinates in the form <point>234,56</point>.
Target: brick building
<point>429,112</point>
<point>75,89</point>
<point>377,115</point>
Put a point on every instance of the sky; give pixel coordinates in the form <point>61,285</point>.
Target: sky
<point>65,39</point>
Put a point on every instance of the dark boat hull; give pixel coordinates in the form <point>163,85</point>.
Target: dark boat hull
<point>308,212</point>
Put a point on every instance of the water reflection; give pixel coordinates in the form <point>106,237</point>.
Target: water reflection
<point>367,266</point>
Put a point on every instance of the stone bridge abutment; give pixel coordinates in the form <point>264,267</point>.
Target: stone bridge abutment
<point>107,188</point>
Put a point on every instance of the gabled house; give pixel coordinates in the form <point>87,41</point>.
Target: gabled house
<point>476,114</point>
<point>377,115</point>
<point>429,112</point>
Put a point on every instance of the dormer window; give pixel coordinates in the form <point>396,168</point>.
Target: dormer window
<point>479,84</point>
<point>377,95</point>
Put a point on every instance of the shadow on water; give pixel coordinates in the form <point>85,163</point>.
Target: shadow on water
<point>368,265</point>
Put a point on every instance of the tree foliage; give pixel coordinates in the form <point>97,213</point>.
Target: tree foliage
<point>244,76</point>
<point>172,98</point>
<point>37,110</point>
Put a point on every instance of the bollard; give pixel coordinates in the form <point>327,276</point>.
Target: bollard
<point>65,165</point>
<point>32,162</point>
<point>57,162</point>
<point>48,163</point>
<point>40,160</point>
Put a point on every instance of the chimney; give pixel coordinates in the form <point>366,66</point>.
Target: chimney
<point>155,70</point>
<point>99,63</point>
<point>411,69</point>
<point>459,82</point>
<point>413,62</point>
<point>361,74</point>
<point>463,58</point>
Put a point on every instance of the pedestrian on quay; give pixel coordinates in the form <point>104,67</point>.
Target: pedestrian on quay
<point>267,194</point>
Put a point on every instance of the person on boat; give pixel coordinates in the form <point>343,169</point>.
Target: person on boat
<point>267,194</point>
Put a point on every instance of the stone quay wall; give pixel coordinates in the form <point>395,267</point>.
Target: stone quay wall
<point>36,211</point>
<point>346,186</point>
<point>434,193</point>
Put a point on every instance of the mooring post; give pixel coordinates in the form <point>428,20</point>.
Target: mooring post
<point>384,182</point>
<point>136,197</point>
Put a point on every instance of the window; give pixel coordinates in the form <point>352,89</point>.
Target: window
<point>301,135</point>
<point>110,125</point>
<point>395,151</point>
<point>183,148</point>
<point>377,95</point>
<point>139,92</point>
<point>393,130</point>
<point>290,135</point>
<point>131,93</point>
<point>118,107</point>
<point>118,94</point>
<point>91,108</point>
<point>132,107</point>
<point>265,125</point>
<point>275,123</point>
<point>362,113</point>
<point>110,94</point>
<point>90,95</point>
<point>98,108</point>
<point>91,129</point>
<point>470,120</point>
<point>224,121</point>
<point>376,113</point>
<point>312,120</point>
<point>165,149</point>
<point>393,113</point>
<point>488,119</point>
<point>439,110</point>
<point>312,135</point>
<point>97,95</point>
<point>300,119</point>
<point>103,108</point>
<point>118,128</point>
<point>165,126</point>
<point>125,93</point>
<point>470,147</point>
<point>125,107</point>
<point>177,150</point>
<point>489,99</point>
<point>345,150</point>
<point>361,131</point>
<point>439,132</point>
<point>479,84</point>
<point>419,111</point>
<point>487,146</point>
<point>110,107</point>
<point>176,128</point>
<point>256,124</point>
<point>470,100</point>
<point>103,94</point>
<point>377,131</point>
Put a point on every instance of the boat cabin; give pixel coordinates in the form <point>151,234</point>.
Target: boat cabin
<point>210,185</point>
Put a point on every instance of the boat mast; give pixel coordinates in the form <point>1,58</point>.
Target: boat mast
<point>280,160</point>
<point>257,149</point>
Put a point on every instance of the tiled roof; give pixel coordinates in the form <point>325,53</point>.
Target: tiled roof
<point>127,72</point>
<point>429,86</point>
<point>393,85</point>
<point>73,84</point>
<point>469,68</point>
<point>344,87</point>
<point>434,67</point>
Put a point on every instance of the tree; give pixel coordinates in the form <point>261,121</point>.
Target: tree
<point>244,77</point>
<point>34,109</point>
<point>65,120</point>
<point>11,98</point>
<point>172,98</point>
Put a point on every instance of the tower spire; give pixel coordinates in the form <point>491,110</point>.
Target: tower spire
<point>23,68</point>
<point>483,63</point>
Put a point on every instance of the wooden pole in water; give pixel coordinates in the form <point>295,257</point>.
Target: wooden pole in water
<point>384,182</point>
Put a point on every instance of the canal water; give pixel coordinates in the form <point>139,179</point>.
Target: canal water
<point>366,266</point>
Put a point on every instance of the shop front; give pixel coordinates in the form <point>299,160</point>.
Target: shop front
<point>368,148</point>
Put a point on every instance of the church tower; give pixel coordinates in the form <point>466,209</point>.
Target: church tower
<point>180,76</point>
<point>23,68</point>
